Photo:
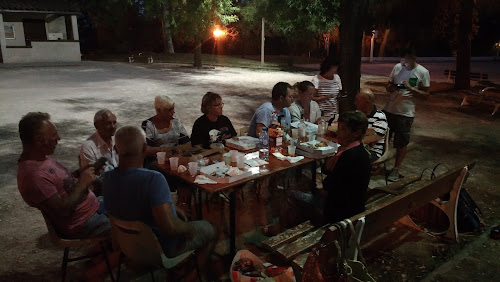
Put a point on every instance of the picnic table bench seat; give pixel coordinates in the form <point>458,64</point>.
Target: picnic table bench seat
<point>385,206</point>
<point>487,92</point>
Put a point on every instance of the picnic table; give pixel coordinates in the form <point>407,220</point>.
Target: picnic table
<point>274,167</point>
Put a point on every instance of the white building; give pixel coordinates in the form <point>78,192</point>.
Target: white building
<point>38,31</point>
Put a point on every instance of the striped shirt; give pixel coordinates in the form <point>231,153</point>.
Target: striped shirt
<point>328,87</point>
<point>378,121</point>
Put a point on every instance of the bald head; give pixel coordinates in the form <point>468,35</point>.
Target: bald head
<point>130,141</point>
<point>364,101</point>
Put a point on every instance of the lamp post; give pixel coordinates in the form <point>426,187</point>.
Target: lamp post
<point>218,33</point>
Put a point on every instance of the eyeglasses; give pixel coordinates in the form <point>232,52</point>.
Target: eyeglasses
<point>218,105</point>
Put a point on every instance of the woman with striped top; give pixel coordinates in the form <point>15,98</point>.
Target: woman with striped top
<point>328,85</point>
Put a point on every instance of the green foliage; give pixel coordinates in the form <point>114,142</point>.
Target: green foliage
<point>294,18</point>
<point>196,18</point>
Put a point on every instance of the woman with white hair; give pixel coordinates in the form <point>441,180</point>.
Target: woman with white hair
<point>163,130</point>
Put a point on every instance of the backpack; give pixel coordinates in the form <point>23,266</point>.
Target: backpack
<point>469,216</point>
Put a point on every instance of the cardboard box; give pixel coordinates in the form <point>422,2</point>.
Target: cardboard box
<point>244,143</point>
<point>307,149</point>
<point>209,170</point>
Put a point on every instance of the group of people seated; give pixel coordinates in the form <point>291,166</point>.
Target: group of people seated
<point>132,190</point>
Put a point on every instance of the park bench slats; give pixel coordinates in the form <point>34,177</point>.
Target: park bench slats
<point>287,236</point>
<point>299,262</point>
<point>290,251</point>
<point>384,211</point>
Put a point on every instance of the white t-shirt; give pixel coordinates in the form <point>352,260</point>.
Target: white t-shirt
<point>328,87</point>
<point>401,101</point>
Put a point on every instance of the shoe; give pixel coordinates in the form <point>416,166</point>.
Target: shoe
<point>269,230</point>
<point>393,175</point>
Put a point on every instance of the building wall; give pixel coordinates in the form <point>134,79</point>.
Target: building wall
<point>18,33</point>
<point>44,51</point>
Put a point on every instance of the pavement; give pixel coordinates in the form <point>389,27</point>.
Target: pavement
<point>72,93</point>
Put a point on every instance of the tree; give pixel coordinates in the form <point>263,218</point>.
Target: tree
<point>295,20</point>
<point>351,34</point>
<point>194,20</point>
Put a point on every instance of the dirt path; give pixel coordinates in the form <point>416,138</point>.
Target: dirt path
<point>72,94</point>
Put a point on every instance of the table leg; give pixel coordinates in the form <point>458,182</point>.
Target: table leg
<point>232,223</point>
<point>313,175</point>
<point>199,205</point>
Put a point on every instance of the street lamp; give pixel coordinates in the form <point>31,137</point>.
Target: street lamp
<point>219,33</point>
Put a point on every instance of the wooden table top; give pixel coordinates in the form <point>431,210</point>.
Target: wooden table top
<point>273,167</point>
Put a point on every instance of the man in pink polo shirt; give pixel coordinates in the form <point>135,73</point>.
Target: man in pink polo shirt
<point>47,185</point>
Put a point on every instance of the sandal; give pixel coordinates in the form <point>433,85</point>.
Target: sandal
<point>269,230</point>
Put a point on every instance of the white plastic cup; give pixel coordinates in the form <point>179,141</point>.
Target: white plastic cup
<point>291,150</point>
<point>160,156</point>
<point>240,162</point>
<point>312,136</point>
<point>174,163</point>
<point>233,154</point>
<point>193,168</point>
<point>302,132</point>
<point>295,133</point>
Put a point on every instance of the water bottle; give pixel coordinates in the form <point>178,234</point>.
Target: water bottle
<point>302,130</point>
<point>321,127</point>
<point>264,145</point>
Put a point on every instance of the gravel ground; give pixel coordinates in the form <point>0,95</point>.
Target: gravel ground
<point>73,93</point>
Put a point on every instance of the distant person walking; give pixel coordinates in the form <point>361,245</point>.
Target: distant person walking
<point>328,85</point>
<point>407,79</point>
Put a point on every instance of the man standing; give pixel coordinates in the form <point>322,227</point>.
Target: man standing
<point>377,123</point>
<point>134,193</point>
<point>407,80</point>
<point>282,98</point>
<point>47,185</point>
<point>102,142</point>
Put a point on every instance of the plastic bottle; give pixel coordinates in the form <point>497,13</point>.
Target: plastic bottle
<point>302,130</point>
<point>264,145</point>
<point>321,127</point>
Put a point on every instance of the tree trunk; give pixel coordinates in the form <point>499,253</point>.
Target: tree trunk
<point>351,36</point>
<point>168,45</point>
<point>381,51</point>
<point>197,53</point>
<point>291,51</point>
<point>462,80</point>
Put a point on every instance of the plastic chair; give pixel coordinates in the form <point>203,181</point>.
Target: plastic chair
<point>385,156</point>
<point>68,243</point>
<point>138,243</point>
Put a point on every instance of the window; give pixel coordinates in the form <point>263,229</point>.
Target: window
<point>34,30</point>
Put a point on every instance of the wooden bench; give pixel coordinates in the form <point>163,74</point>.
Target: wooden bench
<point>145,57</point>
<point>484,92</point>
<point>451,74</point>
<point>386,205</point>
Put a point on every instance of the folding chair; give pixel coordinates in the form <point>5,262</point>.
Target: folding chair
<point>138,243</point>
<point>68,243</point>
<point>385,156</point>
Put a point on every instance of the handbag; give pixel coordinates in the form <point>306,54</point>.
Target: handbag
<point>329,263</point>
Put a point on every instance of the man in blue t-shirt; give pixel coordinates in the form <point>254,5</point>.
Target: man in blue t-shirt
<point>134,193</point>
<point>282,98</point>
